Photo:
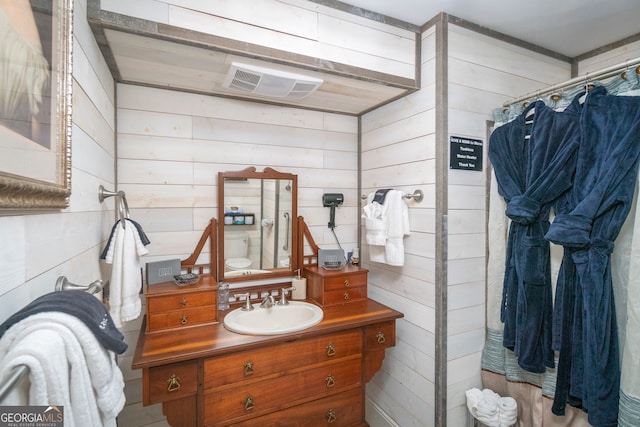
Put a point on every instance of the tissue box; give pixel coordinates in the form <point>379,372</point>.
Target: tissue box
<point>162,271</point>
<point>331,259</point>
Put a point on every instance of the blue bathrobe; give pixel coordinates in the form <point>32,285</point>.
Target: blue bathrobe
<point>588,220</point>
<point>532,172</point>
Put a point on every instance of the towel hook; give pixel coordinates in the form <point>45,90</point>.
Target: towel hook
<point>63,284</point>
<point>417,196</point>
<point>123,206</point>
<point>103,193</point>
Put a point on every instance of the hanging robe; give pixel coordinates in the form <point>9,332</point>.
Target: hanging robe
<point>531,173</point>
<point>588,220</point>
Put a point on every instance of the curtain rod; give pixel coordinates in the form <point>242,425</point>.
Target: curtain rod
<point>605,72</point>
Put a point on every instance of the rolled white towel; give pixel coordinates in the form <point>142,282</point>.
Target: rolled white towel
<point>487,416</point>
<point>483,405</point>
<point>508,410</point>
<point>474,396</point>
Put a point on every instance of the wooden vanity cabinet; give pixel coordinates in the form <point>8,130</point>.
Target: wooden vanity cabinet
<point>332,287</point>
<point>170,306</point>
<point>252,383</point>
<point>209,376</point>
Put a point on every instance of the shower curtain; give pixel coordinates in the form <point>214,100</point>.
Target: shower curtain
<point>501,370</point>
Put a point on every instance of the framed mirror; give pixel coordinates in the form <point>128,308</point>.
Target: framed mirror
<point>35,104</point>
<point>257,214</point>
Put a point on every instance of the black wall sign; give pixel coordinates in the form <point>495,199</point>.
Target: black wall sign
<point>466,153</point>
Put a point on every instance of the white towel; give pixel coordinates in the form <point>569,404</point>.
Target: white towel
<point>68,367</point>
<point>386,226</point>
<point>124,254</point>
<point>508,410</point>
<point>45,356</point>
<point>374,215</point>
<point>474,396</point>
<point>492,410</point>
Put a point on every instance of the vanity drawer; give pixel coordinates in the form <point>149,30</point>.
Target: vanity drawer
<point>170,382</point>
<point>252,364</point>
<point>346,281</point>
<point>344,409</point>
<point>181,318</point>
<point>381,335</point>
<point>158,304</point>
<point>344,296</point>
<point>257,398</point>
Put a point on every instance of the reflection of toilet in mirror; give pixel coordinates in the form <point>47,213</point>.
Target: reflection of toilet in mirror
<point>236,250</point>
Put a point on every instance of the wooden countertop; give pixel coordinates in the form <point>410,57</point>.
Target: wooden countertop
<point>160,348</point>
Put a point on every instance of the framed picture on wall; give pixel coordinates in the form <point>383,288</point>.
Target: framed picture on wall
<point>35,103</point>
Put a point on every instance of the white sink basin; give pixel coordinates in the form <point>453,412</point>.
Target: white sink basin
<point>279,319</point>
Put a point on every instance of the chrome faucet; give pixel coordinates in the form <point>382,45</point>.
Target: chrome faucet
<point>267,301</point>
<point>247,301</point>
<point>283,295</point>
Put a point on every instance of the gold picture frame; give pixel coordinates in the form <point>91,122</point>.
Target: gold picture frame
<point>35,108</point>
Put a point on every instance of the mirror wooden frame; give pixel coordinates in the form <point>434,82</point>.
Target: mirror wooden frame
<point>252,173</point>
<point>25,188</point>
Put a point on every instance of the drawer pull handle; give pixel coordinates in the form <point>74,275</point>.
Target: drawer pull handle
<point>346,296</point>
<point>248,368</point>
<point>380,337</point>
<point>183,320</point>
<point>331,351</point>
<point>173,382</point>
<point>346,283</point>
<point>331,380</point>
<point>331,416</point>
<point>183,303</point>
<point>249,404</point>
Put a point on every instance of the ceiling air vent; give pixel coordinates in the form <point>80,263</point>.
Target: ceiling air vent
<point>270,83</point>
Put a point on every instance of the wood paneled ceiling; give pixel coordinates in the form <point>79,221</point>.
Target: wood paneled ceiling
<point>145,53</point>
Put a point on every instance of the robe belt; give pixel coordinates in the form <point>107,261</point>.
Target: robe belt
<point>570,231</point>
<point>607,245</point>
<point>523,210</point>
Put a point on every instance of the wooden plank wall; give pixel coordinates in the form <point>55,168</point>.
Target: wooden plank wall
<point>483,73</point>
<point>608,58</point>
<point>171,146</point>
<point>398,150</point>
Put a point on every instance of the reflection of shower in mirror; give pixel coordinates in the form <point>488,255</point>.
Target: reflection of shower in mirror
<point>286,230</point>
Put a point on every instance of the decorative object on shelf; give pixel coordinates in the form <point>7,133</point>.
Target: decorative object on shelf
<point>239,219</point>
<point>355,256</point>
<point>186,279</point>
<point>223,296</point>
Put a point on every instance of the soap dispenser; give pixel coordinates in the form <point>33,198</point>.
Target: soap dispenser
<point>300,285</point>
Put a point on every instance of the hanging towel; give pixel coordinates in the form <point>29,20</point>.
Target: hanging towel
<point>143,237</point>
<point>386,225</point>
<point>84,306</point>
<point>374,214</point>
<point>67,366</point>
<point>124,254</point>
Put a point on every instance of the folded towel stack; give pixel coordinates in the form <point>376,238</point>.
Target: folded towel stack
<point>491,409</point>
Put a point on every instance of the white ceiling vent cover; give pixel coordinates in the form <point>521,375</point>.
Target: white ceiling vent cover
<point>270,83</point>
